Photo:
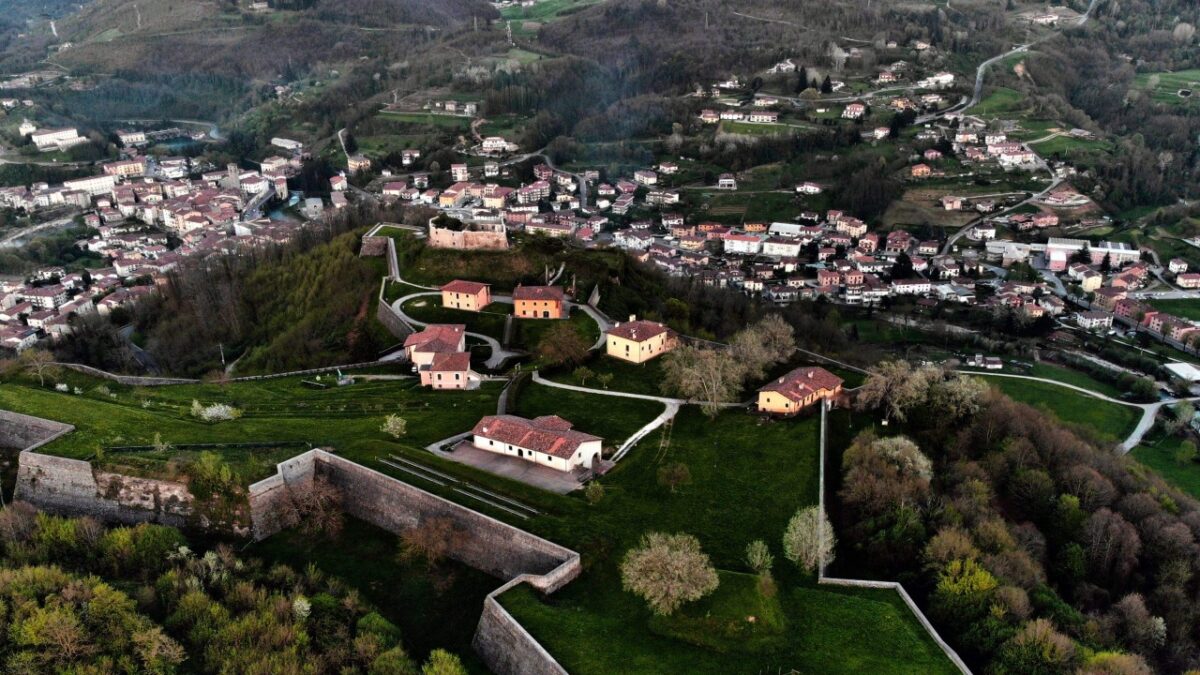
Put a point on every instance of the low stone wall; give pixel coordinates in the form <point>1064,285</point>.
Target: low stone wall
<point>505,645</point>
<point>71,487</point>
<point>129,380</point>
<point>24,432</point>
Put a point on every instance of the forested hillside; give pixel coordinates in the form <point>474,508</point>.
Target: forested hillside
<point>307,304</point>
<point>78,597</point>
<point>1097,76</point>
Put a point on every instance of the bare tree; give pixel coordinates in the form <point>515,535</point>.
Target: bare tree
<point>758,557</point>
<point>39,363</point>
<point>672,476</point>
<point>808,540</point>
<point>316,509</point>
<point>562,344</point>
<point>668,570</point>
<point>703,374</point>
<point>430,541</point>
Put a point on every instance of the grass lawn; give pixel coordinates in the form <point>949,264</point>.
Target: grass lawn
<point>1075,377</point>
<point>1112,420</point>
<point>1158,452</point>
<point>489,322</point>
<point>643,378</point>
<point>999,100</point>
<point>748,478</point>
<point>1063,145</point>
<point>527,333</point>
<point>436,608</point>
<point>546,10</point>
<point>742,614</point>
<point>1187,309</point>
<point>346,419</point>
<point>1165,87</point>
<point>612,418</point>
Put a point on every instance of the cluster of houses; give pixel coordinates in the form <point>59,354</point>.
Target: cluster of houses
<point>438,354</point>
<point>832,255</point>
<point>145,217</point>
<point>972,144</point>
<point>44,305</point>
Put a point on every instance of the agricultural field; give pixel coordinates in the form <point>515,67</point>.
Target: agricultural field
<point>760,473</point>
<point>739,207</point>
<point>427,119</point>
<point>1166,87</point>
<point>1000,101</point>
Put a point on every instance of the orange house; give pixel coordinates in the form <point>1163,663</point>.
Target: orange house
<point>538,302</point>
<point>797,390</point>
<point>471,296</point>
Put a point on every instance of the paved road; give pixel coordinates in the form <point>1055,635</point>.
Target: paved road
<point>1149,410</point>
<point>672,406</point>
<point>962,232</point>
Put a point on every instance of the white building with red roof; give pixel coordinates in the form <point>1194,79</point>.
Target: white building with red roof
<point>548,441</point>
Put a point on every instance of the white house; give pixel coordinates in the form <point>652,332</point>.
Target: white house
<point>747,244</point>
<point>547,441</point>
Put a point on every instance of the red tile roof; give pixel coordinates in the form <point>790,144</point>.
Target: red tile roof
<point>468,287</point>
<point>437,337</point>
<point>551,435</point>
<point>804,382</point>
<point>638,331</point>
<point>451,362</point>
<point>538,293</point>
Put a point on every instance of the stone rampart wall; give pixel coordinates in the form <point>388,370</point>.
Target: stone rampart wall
<point>71,487</point>
<point>23,432</point>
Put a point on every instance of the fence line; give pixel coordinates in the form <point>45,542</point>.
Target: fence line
<point>142,381</point>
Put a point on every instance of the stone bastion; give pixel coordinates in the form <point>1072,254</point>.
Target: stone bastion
<point>74,487</point>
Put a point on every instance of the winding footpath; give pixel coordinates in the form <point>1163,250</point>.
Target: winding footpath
<point>499,354</point>
<point>672,406</point>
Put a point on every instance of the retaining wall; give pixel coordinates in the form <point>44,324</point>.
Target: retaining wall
<point>490,545</point>
<point>24,432</point>
<point>143,381</point>
<point>505,645</point>
<point>391,319</point>
<point>72,487</point>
